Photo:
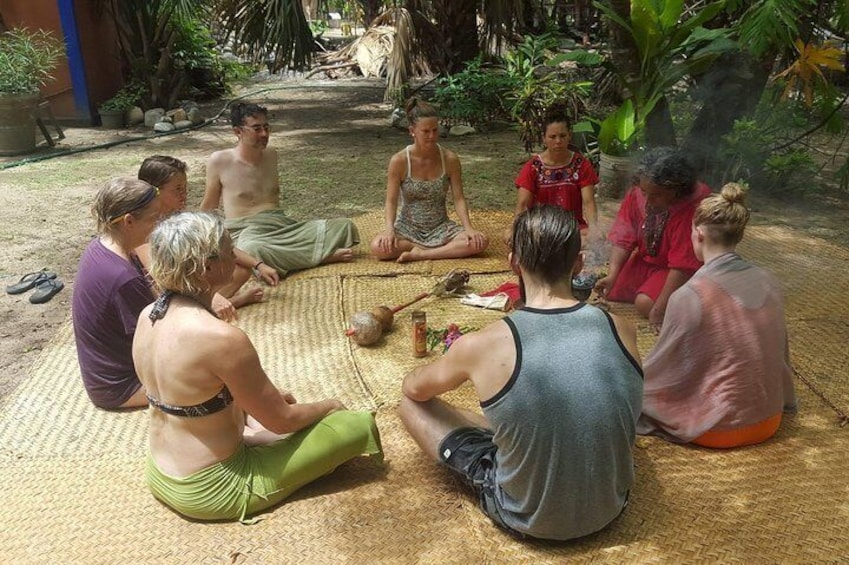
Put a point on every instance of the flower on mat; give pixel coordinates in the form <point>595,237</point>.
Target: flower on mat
<point>446,336</point>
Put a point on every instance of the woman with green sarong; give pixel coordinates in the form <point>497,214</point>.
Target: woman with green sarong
<point>217,449</point>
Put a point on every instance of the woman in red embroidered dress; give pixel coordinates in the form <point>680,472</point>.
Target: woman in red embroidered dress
<point>560,176</point>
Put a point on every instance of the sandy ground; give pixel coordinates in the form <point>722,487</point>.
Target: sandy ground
<point>334,141</point>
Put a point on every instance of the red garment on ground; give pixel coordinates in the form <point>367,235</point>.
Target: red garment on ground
<point>560,185</point>
<point>643,273</point>
<point>511,289</point>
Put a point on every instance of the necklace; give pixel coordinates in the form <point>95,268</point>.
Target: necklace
<point>160,307</point>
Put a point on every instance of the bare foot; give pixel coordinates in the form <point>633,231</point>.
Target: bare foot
<point>247,295</point>
<point>407,256</point>
<point>342,255</point>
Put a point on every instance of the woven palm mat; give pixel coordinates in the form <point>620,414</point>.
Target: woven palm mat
<point>384,364</point>
<point>782,502</point>
<point>813,274</point>
<point>74,494</point>
<point>493,260</point>
<point>297,333</point>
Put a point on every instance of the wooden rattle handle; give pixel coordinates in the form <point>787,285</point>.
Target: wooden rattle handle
<point>411,302</point>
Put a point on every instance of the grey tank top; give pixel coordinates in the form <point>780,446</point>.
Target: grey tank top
<point>564,423</point>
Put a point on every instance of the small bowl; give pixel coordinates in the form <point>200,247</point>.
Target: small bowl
<point>583,284</point>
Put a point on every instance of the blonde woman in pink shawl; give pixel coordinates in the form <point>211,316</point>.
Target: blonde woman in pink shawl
<point>720,374</point>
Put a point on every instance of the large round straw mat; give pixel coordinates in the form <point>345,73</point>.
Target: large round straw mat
<point>49,415</point>
<point>299,335</point>
<point>812,271</point>
<point>494,259</point>
<point>781,502</point>
<point>385,363</point>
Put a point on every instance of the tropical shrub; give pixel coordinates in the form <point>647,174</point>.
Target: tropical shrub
<point>473,96</point>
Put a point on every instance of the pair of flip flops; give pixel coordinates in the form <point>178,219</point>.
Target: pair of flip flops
<point>44,282</point>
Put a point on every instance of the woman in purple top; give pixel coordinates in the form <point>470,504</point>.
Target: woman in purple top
<point>111,289</point>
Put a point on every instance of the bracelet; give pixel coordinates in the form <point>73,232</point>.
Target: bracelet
<point>255,267</point>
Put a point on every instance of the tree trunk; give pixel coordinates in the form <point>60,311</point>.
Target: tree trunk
<point>731,90</point>
<point>371,9</point>
<point>660,131</point>
<point>623,50</point>
<point>457,23</point>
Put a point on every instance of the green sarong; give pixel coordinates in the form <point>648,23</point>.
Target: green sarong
<point>257,477</point>
<point>290,245</point>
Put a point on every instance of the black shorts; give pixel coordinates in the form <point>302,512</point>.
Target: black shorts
<point>470,453</point>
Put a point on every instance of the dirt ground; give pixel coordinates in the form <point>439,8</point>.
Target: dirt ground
<point>334,140</point>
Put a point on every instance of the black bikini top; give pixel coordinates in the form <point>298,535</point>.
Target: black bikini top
<point>215,404</point>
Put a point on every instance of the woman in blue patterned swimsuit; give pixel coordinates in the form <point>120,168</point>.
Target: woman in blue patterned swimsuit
<point>420,175</point>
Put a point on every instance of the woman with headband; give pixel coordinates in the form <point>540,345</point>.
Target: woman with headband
<point>111,289</point>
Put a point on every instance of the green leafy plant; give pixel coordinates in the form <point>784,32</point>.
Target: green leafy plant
<point>618,133</point>
<point>538,82</point>
<point>130,95</point>
<point>473,96</point>
<point>670,46</point>
<point>756,150</point>
<point>318,27</point>
<point>27,60</point>
<point>196,54</point>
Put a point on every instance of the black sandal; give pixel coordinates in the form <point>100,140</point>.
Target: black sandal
<point>45,290</point>
<point>30,281</point>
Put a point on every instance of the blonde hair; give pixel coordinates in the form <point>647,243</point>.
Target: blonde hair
<point>417,109</point>
<point>119,197</point>
<point>180,248</point>
<point>724,215</point>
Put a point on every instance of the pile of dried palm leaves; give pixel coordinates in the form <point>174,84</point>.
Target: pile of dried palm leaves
<point>399,45</point>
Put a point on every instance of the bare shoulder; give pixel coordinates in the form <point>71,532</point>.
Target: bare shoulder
<point>399,158</point>
<point>627,334</point>
<point>221,158</point>
<point>485,345</point>
<point>398,163</point>
<point>451,158</point>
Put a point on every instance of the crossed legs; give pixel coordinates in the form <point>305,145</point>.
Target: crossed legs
<point>430,422</point>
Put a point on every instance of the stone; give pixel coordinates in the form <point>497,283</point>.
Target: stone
<point>188,105</point>
<point>443,130</point>
<point>183,124</point>
<point>460,129</point>
<point>398,119</point>
<point>152,116</point>
<point>194,116</point>
<point>134,116</point>
<point>166,119</point>
<point>163,126</point>
<point>176,115</point>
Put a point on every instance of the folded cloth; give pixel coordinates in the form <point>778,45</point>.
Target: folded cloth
<point>498,301</point>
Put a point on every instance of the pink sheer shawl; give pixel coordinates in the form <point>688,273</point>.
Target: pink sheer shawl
<point>722,359</point>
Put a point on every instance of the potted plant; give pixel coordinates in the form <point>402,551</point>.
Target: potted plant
<point>617,137</point>
<point>27,61</point>
<point>113,111</point>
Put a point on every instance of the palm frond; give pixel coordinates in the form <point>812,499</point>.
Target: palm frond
<point>273,31</point>
<point>770,23</point>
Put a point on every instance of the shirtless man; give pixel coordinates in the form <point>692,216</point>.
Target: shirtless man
<point>560,386</point>
<point>244,181</point>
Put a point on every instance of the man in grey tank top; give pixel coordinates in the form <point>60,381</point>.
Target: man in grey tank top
<point>560,386</point>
